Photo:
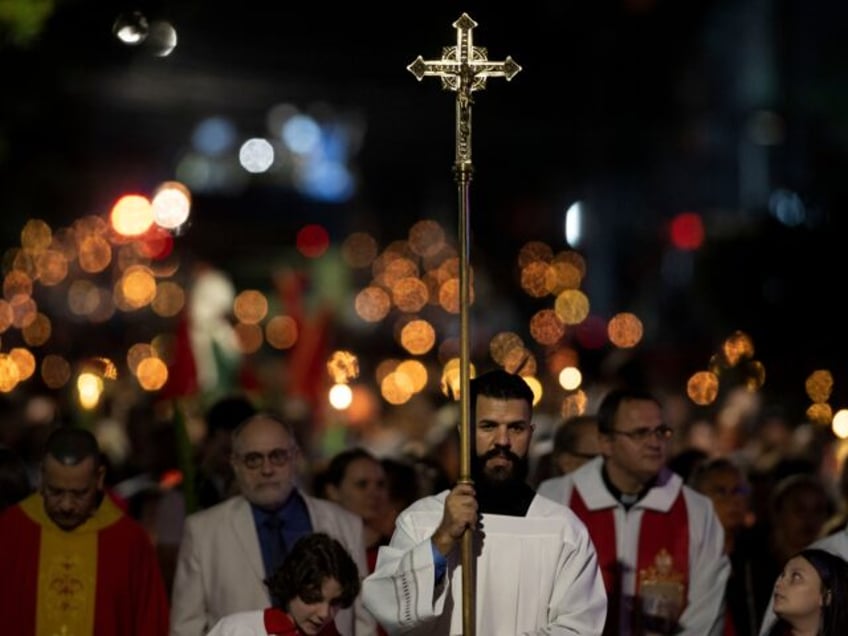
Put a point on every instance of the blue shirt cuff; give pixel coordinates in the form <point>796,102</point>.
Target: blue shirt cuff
<point>439,561</point>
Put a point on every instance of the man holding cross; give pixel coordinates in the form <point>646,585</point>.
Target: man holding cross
<point>536,568</point>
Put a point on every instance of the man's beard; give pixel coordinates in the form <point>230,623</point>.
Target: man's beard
<point>499,476</point>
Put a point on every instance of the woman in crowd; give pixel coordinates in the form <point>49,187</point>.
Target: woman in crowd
<point>356,480</point>
<point>726,484</point>
<point>811,596</point>
<point>316,580</point>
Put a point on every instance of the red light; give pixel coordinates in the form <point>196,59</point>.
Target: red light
<point>312,241</point>
<point>687,231</point>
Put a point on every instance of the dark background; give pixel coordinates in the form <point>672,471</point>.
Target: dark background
<point>642,109</point>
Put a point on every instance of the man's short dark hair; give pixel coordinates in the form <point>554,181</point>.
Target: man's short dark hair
<point>501,385</point>
<point>612,401</point>
<point>569,432</point>
<point>71,445</point>
<point>228,412</point>
<point>314,558</point>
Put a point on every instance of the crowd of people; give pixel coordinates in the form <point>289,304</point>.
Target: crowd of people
<point>621,528</point>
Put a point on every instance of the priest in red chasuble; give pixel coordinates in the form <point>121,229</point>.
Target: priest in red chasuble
<point>660,544</point>
<point>71,562</point>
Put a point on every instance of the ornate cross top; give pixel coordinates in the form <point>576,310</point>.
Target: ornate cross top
<point>463,68</point>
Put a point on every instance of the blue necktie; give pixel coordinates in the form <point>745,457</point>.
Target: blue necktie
<point>276,545</point>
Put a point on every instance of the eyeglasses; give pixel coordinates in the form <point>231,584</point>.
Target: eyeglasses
<point>661,432</point>
<point>277,457</point>
<point>723,492</point>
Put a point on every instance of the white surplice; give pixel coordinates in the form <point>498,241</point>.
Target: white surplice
<point>536,574</point>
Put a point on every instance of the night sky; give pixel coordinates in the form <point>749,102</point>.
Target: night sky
<point>641,109</point>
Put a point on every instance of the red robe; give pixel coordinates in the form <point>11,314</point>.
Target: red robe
<point>109,559</point>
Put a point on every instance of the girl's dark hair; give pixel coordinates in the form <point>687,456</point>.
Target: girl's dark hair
<point>833,571</point>
<point>313,559</point>
<point>336,469</point>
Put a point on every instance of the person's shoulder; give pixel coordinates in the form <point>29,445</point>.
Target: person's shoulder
<point>238,621</point>
<point>219,511</point>
<point>326,506</point>
<point>12,516</point>
<point>552,486</point>
<point>836,543</point>
<point>695,498</point>
<point>426,505</point>
<point>544,507</point>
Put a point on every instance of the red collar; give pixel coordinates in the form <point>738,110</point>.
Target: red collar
<point>278,623</point>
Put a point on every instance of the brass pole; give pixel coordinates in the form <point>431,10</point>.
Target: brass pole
<point>463,177</point>
<point>464,68</point>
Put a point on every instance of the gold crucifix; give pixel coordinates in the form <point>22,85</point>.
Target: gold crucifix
<point>464,68</point>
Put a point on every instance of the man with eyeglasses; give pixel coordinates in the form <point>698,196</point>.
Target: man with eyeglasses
<point>660,544</point>
<point>229,550</point>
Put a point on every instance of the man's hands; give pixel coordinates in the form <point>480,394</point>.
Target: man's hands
<point>460,513</point>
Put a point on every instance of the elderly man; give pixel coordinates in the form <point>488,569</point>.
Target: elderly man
<point>71,561</point>
<point>536,569</point>
<point>230,549</point>
<point>660,543</point>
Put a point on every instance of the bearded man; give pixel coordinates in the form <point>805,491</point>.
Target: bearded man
<point>536,569</point>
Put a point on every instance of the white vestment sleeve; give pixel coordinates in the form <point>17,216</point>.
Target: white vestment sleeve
<point>401,592</point>
<point>709,569</point>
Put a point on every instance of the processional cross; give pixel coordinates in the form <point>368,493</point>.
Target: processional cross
<point>464,68</point>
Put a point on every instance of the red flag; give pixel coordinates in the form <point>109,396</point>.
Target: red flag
<point>182,371</point>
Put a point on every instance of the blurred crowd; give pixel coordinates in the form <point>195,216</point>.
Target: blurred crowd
<point>776,484</point>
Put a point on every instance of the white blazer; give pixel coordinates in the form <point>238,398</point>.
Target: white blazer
<point>220,569</point>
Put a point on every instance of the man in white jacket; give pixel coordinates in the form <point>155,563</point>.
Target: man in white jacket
<point>229,550</point>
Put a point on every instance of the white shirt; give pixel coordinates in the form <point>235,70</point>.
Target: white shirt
<point>241,624</point>
<point>536,574</point>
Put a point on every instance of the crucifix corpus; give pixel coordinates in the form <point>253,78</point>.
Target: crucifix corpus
<point>464,68</point>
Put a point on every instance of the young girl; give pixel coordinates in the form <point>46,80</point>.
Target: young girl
<point>811,595</point>
<point>317,578</point>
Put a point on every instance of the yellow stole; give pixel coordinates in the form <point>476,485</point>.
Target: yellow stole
<point>67,570</point>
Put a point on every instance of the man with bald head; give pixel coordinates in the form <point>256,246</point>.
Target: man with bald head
<point>230,549</point>
<point>72,562</point>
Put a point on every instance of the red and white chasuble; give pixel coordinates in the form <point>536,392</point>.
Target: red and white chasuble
<point>669,543</point>
<point>658,532</point>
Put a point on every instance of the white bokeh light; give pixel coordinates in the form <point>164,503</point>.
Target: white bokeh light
<point>340,396</point>
<point>570,378</point>
<point>171,205</point>
<point>256,155</point>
